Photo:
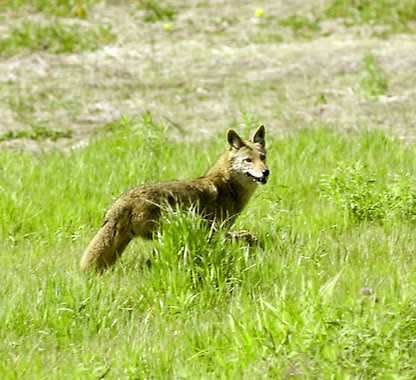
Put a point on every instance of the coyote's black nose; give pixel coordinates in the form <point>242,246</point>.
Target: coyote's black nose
<point>266,173</point>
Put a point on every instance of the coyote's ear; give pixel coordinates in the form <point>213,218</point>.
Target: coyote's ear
<point>259,136</point>
<point>234,139</point>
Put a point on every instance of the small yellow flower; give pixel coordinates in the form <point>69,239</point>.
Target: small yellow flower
<point>167,26</point>
<point>259,12</point>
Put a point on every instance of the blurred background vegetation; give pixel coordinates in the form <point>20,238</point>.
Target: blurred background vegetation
<point>73,66</point>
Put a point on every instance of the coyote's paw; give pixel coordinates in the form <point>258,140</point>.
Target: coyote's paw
<point>245,237</point>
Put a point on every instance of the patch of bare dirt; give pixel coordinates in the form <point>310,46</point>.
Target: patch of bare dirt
<point>203,70</point>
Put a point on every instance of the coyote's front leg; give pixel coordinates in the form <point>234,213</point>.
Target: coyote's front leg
<point>245,237</point>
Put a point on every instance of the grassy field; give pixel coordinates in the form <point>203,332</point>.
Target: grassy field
<point>331,294</point>
<point>97,97</point>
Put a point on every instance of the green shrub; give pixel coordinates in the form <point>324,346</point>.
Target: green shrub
<point>356,190</point>
<point>401,197</point>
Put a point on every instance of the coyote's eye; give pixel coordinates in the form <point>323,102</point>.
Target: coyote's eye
<point>248,160</point>
<point>262,157</point>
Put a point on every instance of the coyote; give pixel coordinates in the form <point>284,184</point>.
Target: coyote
<point>219,197</point>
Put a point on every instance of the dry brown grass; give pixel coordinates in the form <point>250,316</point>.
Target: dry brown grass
<point>217,62</point>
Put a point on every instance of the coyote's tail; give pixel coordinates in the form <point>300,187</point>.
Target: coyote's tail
<point>105,248</point>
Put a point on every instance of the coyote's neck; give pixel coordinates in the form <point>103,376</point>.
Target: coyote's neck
<point>223,178</point>
<point>222,166</point>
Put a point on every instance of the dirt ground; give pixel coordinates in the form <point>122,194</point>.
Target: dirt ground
<point>202,71</point>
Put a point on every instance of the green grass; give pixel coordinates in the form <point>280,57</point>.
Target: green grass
<point>156,11</point>
<point>266,37</point>
<point>355,189</point>
<point>329,296</point>
<point>62,8</point>
<point>56,38</point>
<point>302,27</point>
<point>37,133</point>
<point>373,82</point>
<point>395,14</point>
<point>389,15</point>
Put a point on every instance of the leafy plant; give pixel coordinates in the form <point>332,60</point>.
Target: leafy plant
<point>354,189</point>
<point>401,197</point>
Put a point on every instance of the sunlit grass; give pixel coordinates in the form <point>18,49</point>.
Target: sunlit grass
<point>62,8</point>
<point>55,38</point>
<point>328,295</point>
<point>394,14</point>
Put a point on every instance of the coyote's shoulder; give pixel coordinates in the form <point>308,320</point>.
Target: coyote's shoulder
<point>219,196</point>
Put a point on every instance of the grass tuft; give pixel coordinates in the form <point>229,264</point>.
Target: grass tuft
<point>355,189</point>
<point>37,133</point>
<point>155,11</point>
<point>187,252</point>
<point>396,15</point>
<point>301,26</point>
<point>56,38</point>
<point>388,15</point>
<point>62,8</point>
<point>373,81</point>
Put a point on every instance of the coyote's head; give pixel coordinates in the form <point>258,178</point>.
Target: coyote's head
<point>248,157</point>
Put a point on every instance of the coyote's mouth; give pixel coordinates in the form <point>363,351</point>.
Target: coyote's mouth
<point>262,179</point>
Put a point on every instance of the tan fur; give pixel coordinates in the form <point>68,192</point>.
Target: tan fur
<point>219,197</point>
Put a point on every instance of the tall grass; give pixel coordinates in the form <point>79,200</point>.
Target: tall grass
<point>327,296</point>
